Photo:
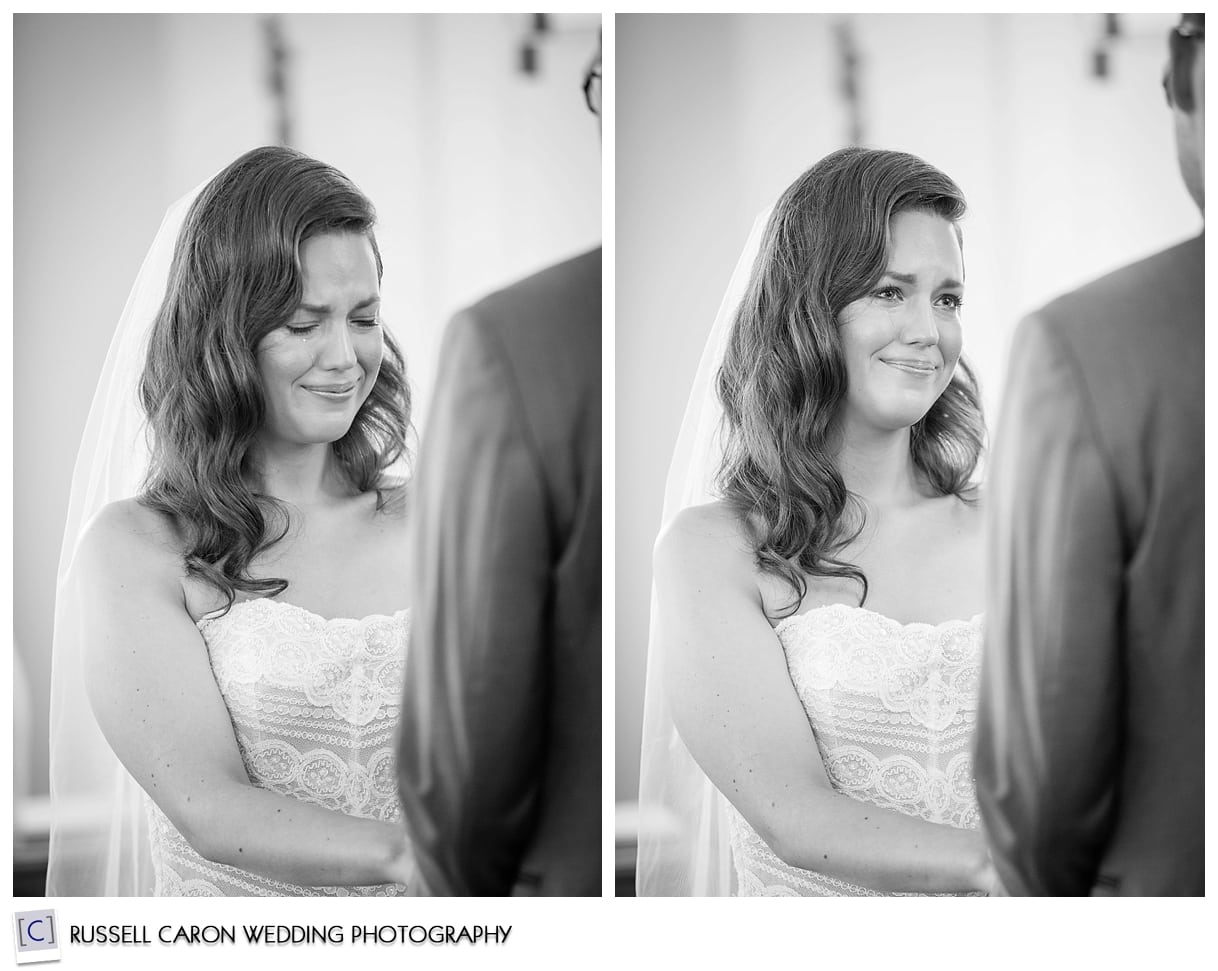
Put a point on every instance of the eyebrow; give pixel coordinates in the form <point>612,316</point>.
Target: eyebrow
<point>324,308</point>
<point>911,279</point>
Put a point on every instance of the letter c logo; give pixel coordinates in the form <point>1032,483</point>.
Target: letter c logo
<point>29,931</point>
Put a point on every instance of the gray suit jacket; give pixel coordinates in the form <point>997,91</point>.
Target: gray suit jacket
<point>500,745</point>
<point>1089,748</point>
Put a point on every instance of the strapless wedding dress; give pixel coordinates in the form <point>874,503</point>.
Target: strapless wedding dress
<point>892,707</point>
<point>314,704</point>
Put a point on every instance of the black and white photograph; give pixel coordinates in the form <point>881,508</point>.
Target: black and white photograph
<point>307,475</point>
<point>909,514</point>
<point>885,333</point>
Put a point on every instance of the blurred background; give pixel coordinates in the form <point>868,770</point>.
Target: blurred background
<point>469,133</point>
<point>1054,125</point>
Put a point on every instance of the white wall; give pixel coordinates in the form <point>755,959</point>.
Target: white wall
<point>1066,177</point>
<point>479,174</point>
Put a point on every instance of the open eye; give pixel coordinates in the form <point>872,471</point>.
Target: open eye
<point>887,293</point>
<point>953,301</point>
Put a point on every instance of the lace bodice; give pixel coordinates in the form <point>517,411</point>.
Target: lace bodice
<point>892,708</point>
<point>314,704</point>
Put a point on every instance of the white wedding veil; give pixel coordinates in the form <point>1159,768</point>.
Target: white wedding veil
<point>99,846</point>
<point>683,837</point>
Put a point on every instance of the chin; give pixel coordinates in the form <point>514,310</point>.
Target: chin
<point>322,433</point>
<point>334,435</point>
<point>896,417</point>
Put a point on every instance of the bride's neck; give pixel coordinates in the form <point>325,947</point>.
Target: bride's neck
<point>878,467</point>
<point>301,475</point>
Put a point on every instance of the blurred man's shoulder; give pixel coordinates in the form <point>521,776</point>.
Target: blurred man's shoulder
<point>1165,285</point>
<point>572,287</point>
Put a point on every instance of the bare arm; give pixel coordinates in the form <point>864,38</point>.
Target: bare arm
<point>738,713</point>
<point>155,698</point>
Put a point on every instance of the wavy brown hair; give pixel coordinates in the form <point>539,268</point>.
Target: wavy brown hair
<point>236,276</point>
<point>783,378</point>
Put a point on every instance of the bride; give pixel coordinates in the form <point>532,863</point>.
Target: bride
<point>816,630</point>
<point>236,618</point>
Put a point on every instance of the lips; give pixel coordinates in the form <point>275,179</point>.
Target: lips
<point>911,365</point>
<point>331,391</point>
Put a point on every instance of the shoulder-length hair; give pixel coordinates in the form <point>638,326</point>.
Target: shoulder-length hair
<point>783,377</point>
<point>236,276</point>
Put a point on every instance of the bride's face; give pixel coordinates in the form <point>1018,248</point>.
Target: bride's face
<point>319,367</point>
<point>902,340</point>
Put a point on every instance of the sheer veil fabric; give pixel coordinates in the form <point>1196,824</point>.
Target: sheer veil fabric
<point>99,844</point>
<point>683,834</point>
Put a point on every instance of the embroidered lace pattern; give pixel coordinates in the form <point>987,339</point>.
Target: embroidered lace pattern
<point>892,708</point>
<point>314,704</point>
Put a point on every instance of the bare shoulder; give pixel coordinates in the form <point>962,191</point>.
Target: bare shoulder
<point>127,539</point>
<point>707,537</point>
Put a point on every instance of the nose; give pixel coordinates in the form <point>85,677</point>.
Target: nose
<point>337,352</point>
<point>919,326</point>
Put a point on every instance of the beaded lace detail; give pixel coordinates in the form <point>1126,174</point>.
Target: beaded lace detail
<point>892,707</point>
<point>314,704</point>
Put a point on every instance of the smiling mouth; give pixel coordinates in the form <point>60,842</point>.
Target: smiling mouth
<point>332,391</point>
<point>921,368</point>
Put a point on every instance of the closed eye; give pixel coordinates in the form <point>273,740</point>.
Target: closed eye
<point>301,329</point>
<point>367,322</point>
